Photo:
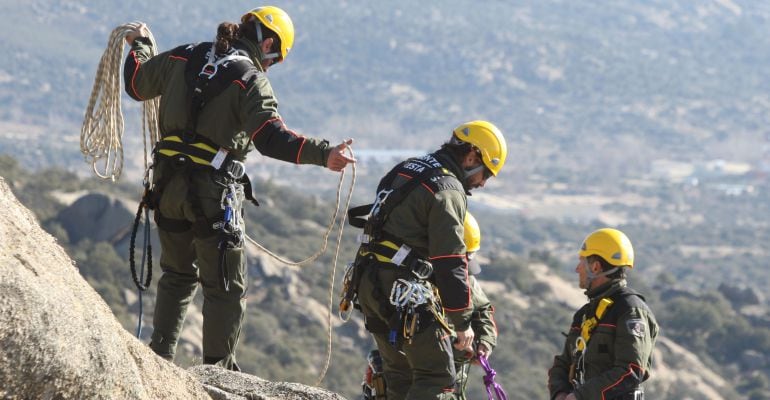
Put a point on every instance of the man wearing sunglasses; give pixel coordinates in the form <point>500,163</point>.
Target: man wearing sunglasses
<point>414,235</point>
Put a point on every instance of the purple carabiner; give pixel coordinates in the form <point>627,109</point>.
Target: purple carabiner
<point>489,381</point>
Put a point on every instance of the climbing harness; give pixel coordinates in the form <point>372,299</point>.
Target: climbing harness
<point>413,298</point>
<point>101,143</point>
<point>407,296</point>
<point>230,228</point>
<point>348,292</point>
<point>494,390</point>
<point>101,136</point>
<point>577,369</point>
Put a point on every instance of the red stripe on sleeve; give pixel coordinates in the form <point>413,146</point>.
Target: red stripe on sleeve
<point>261,127</point>
<point>133,77</point>
<point>627,374</point>
<point>300,148</point>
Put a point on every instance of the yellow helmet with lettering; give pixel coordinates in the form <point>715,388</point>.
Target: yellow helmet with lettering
<point>472,233</point>
<point>278,21</point>
<point>610,244</point>
<point>487,139</point>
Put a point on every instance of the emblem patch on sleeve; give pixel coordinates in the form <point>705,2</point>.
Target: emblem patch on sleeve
<point>636,327</point>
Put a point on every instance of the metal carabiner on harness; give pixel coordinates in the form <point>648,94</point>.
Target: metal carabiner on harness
<point>382,195</point>
<point>577,370</point>
<point>348,293</point>
<point>421,269</point>
<point>236,169</point>
<point>209,70</point>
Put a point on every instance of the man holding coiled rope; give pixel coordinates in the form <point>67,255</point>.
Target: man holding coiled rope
<point>216,106</point>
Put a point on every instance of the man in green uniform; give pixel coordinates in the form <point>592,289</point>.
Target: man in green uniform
<point>608,351</point>
<point>413,244</point>
<point>482,319</point>
<point>216,106</point>
<point>482,323</point>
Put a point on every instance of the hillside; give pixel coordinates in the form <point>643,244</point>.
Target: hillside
<point>648,116</point>
<point>670,79</point>
<point>284,336</point>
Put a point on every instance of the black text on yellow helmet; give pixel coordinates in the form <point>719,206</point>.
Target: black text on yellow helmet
<point>278,21</point>
<point>610,244</point>
<point>488,140</point>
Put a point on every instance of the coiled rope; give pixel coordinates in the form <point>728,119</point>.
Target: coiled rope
<point>101,136</point>
<point>101,140</point>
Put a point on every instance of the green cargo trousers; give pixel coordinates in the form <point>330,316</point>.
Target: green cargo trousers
<point>189,257</point>
<point>420,370</point>
<point>462,368</point>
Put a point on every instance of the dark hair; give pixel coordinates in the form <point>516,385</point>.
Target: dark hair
<point>619,274</point>
<point>227,33</point>
<point>248,30</point>
<point>457,148</point>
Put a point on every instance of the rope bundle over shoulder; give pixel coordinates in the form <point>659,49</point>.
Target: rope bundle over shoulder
<point>101,136</point>
<point>101,142</point>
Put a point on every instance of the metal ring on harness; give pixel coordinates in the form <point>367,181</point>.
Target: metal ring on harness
<point>236,169</point>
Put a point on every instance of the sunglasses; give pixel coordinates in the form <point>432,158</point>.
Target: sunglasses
<point>487,173</point>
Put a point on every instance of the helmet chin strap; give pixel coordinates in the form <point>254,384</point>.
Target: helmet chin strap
<point>590,276</point>
<point>267,56</point>
<point>473,171</point>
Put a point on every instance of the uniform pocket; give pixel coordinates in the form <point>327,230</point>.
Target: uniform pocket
<point>601,347</point>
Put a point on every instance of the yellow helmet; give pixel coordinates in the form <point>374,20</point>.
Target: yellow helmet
<point>472,233</point>
<point>488,139</point>
<point>611,244</point>
<point>278,21</point>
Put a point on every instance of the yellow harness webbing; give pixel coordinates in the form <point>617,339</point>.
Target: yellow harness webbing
<point>588,325</point>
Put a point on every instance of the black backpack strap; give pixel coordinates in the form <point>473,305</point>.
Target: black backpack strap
<point>207,77</point>
<point>425,171</point>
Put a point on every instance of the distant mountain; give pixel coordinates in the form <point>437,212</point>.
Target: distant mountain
<point>621,81</point>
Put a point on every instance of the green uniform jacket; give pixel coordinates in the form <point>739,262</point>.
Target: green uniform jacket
<point>483,325</point>
<point>482,320</point>
<point>432,225</point>
<point>619,352</point>
<point>242,117</point>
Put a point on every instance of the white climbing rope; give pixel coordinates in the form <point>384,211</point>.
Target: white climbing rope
<point>101,142</point>
<point>101,136</point>
<point>335,217</point>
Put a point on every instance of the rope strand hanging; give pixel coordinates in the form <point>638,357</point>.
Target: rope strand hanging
<point>321,251</point>
<point>101,142</point>
<point>101,136</point>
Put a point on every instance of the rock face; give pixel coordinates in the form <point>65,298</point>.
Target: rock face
<point>58,337</point>
<point>59,340</point>
<point>98,217</point>
<point>226,385</point>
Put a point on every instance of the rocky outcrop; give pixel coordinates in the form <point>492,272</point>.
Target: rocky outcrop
<point>58,337</point>
<point>98,217</point>
<point>226,385</point>
<point>60,340</point>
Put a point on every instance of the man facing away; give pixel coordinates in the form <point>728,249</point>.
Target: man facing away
<point>216,106</point>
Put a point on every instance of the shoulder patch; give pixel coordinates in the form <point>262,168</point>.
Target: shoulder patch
<point>636,327</point>
<point>445,182</point>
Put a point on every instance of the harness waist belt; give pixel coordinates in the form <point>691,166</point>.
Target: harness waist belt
<point>201,151</point>
<point>390,253</point>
